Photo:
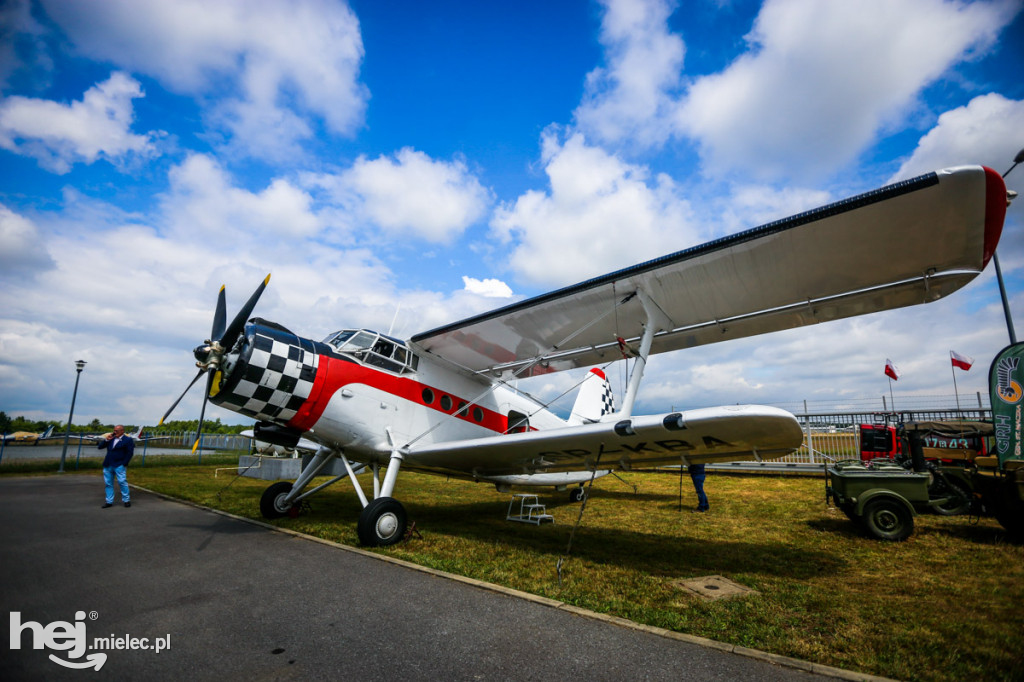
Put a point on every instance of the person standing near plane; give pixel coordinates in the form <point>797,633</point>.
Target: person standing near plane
<point>120,449</point>
<point>697,476</point>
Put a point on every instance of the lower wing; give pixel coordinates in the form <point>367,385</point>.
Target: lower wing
<point>714,434</point>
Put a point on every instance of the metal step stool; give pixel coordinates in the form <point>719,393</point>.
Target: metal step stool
<point>530,511</point>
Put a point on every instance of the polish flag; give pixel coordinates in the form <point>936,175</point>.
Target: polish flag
<point>964,362</point>
<point>891,371</point>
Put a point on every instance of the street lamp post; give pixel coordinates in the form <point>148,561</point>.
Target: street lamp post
<point>79,366</point>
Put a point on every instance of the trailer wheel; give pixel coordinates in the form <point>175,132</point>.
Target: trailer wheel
<point>888,519</point>
<point>959,500</point>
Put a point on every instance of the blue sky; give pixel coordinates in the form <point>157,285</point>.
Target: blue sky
<point>414,163</point>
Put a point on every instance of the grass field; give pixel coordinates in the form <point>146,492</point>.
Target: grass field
<point>944,605</point>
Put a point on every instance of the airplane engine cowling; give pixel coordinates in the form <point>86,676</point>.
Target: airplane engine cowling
<point>269,375</point>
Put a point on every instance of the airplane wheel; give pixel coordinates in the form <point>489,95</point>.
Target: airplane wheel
<point>888,519</point>
<point>272,502</point>
<point>577,494</point>
<point>382,523</point>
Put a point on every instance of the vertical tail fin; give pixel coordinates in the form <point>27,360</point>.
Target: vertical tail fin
<point>594,400</point>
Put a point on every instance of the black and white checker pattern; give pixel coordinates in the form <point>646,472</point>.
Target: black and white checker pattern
<point>607,399</point>
<point>276,380</point>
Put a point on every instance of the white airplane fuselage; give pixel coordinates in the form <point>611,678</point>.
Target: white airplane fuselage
<point>367,403</point>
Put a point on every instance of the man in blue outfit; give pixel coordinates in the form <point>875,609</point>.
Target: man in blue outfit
<point>120,449</point>
<point>697,476</point>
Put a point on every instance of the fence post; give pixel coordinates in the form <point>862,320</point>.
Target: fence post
<point>807,432</point>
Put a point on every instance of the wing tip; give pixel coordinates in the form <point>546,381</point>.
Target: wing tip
<point>995,212</point>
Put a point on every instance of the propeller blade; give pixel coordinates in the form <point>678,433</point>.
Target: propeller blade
<point>219,316</point>
<point>227,340</point>
<point>202,413</point>
<point>168,412</point>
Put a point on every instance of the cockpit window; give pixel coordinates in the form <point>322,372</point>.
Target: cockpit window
<point>374,349</point>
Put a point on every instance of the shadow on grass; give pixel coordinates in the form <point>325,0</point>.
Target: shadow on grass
<point>648,552</point>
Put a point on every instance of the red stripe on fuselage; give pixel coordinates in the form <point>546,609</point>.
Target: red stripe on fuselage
<point>333,374</point>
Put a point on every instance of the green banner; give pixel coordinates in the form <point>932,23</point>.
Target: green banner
<point>1006,385</point>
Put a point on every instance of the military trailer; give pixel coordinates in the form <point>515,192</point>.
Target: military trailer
<point>884,495</point>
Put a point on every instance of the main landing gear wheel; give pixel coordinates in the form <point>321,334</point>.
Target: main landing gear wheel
<point>272,504</point>
<point>577,494</point>
<point>888,519</point>
<point>382,523</point>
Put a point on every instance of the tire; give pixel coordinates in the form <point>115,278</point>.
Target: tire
<point>382,523</point>
<point>960,499</point>
<point>577,494</point>
<point>270,502</point>
<point>887,519</point>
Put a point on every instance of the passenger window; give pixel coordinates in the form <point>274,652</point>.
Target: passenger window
<point>517,422</point>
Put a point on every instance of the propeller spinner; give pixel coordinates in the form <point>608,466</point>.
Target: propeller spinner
<point>210,355</point>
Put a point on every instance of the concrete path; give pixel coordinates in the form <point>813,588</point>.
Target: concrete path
<point>232,600</point>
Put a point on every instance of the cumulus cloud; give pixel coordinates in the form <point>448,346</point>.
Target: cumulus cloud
<point>632,97</point>
<point>22,248</point>
<point>408,194</point>
<point>59,135</point>
<point>204,203</point>
<point>600,214</point>
<point>989,130</point>
<point>269,64</point>
<point>822,78</point>
<point>488,288</point>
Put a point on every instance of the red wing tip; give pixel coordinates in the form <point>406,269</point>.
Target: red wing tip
<point>995,212</point>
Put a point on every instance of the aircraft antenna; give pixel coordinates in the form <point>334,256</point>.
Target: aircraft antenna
<point>395,318</point>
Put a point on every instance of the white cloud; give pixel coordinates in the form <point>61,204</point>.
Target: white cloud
<point>409,193</point>
<point>632,98</point>
<point>22,251</point>
<point>822,78</point>
<point>60,135</point>
<point>600,214</point>
<point>204,204</point>
<point>488,288</point>
<point>988,131</point>
<point>268,64</point>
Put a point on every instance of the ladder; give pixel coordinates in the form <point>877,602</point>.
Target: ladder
<point>530,511</point>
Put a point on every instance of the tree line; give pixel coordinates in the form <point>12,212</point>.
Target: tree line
<point>10,424</point>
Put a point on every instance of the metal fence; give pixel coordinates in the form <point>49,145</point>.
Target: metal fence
<point>836,435</point>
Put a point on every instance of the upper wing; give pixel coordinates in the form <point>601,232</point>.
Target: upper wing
<point>907,243</point>
<point>714,434</point>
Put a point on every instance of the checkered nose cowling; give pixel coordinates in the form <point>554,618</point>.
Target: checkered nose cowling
<point>271,376</point>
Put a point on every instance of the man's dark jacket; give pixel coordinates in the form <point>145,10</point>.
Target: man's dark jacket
<point>117,455</point>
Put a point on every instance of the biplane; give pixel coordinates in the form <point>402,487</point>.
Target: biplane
<point>445,401</point>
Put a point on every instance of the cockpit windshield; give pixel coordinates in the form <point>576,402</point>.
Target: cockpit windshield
<point>374,349</point>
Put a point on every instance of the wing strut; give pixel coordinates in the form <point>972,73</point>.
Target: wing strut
<point>656,320</point>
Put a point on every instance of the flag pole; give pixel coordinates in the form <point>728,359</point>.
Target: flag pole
<point>892,401</point>
<point>952,368</point>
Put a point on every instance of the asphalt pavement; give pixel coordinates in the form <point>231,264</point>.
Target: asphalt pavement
<point>229,599</point>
